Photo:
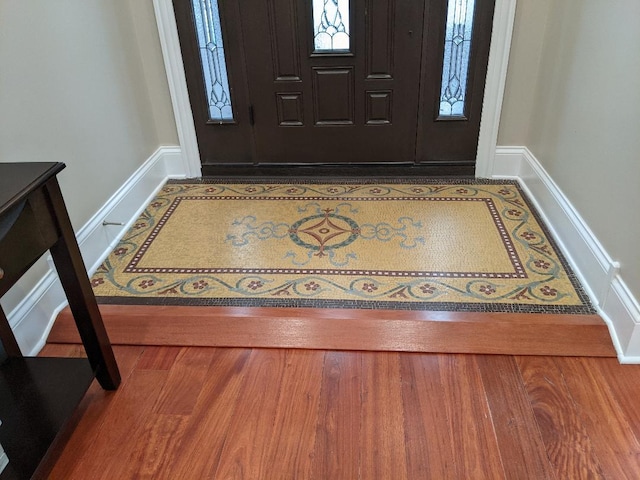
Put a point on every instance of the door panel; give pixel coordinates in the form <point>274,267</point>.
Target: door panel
<point>231,141</point>
<point>379,40</point>
<point>356,106</point>
<point>289,109</point>
<point>379,107</point>
<point>452,140</point>
<point>283,23</point>
<point>333,95</point>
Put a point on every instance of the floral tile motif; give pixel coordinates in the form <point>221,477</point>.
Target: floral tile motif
<point>403,244</point>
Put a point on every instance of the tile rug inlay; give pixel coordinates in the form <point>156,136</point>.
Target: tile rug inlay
<point>419,244</point>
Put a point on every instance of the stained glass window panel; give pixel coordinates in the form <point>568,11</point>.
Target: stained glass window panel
<point>214,67</point>
<point>331,25</point>
<point>457,49</point>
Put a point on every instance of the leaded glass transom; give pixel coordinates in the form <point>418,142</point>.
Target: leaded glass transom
<point>214,67</point>
<point>457,49</point>
<point>331,25</point>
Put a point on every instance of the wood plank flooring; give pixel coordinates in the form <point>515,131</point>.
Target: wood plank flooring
<point>346,329</point>
<point>251,413</point>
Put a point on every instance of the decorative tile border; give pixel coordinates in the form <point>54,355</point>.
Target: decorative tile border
<point>353,304</point>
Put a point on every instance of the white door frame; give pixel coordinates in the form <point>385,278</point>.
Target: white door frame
<point>503,19</point>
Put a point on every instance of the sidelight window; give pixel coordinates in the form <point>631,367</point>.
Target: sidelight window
<point>214,67</point>
<point>331,25</point>
<point>457,50</point>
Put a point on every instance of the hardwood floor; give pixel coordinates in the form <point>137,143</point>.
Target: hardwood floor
<point>349,329</point>
<point>250,413</point>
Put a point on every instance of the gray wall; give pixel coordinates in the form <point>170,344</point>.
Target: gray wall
<point>522,77</point>
<point>572,97</point>
<point>82,82</point>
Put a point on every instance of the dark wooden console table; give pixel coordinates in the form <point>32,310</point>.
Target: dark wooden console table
<point>38,395</point>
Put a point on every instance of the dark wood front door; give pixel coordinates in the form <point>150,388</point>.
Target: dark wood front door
<point>358,104</point>
<point>323,86</point>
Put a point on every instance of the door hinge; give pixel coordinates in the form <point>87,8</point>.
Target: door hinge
<point>251,116</point>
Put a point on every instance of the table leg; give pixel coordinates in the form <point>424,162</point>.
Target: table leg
<point>73,275</point>
<point>11,347</point>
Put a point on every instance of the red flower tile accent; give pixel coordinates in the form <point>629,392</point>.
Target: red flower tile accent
<point>542,264</point>
<point>428,289</point>
<point>487,289</point>
<point>369,287</point>
<point>200,285</point>
<point>312,286</point>
<point>146,283</point>
<point>548,291</point>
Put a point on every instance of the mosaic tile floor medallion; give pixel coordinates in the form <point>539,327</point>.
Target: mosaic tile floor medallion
<point>402,244</point>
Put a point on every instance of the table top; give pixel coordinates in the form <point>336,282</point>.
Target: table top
<point>17,180</point>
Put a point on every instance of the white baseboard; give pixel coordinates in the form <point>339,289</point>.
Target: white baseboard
<point>598,273</point>
<point>125,206</point>
<point>32,319</point>
<point>621,310</point>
